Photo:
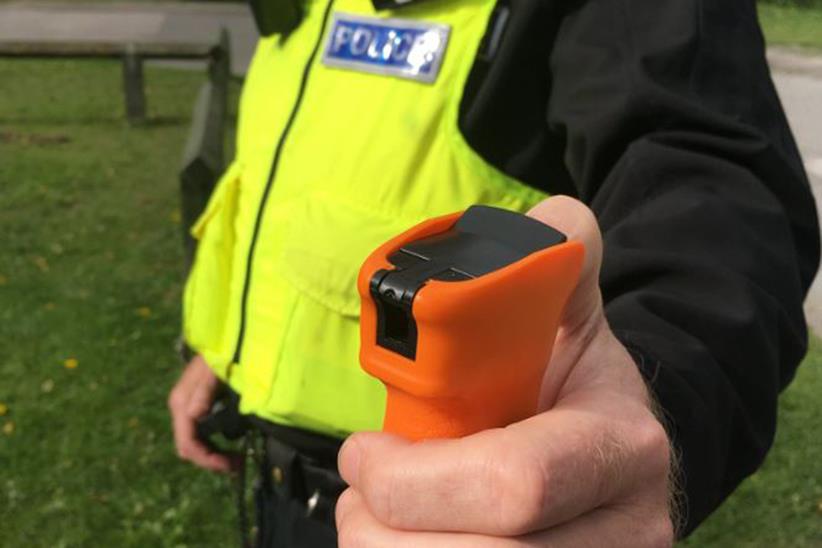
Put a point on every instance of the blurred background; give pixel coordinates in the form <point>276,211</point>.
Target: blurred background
<point>115,119</point>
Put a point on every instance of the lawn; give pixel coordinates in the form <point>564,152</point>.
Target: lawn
<point>90,280</point>
<point>781,505</point>
<point>791,26</point>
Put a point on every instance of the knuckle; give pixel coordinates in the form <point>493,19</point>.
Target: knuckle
<point>518,487</point>
<point>175,399</point>
<point>653,445</point>
<point>186,450</point>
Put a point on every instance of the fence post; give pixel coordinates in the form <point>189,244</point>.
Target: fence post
<point>133,85</point>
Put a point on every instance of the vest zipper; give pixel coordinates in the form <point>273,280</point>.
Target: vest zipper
<point>269,183</point>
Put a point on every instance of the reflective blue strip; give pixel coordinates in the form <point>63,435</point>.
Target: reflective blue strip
<point>399,47</point>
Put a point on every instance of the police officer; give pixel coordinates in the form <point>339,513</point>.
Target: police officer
<point>360,118</point>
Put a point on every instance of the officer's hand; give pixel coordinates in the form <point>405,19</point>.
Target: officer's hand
<point>590,470</point>
<point>189,400</point>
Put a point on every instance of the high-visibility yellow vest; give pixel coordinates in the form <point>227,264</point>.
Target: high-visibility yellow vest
<point>331,162</point>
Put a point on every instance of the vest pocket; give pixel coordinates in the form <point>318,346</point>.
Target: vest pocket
<point>206,296</point>
<point>318,382</point>
<point>327,242</point>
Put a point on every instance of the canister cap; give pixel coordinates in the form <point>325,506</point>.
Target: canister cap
<point>483,239</point>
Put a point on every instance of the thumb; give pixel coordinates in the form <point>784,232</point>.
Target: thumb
<point>577,222</point>
<point>583,315</point>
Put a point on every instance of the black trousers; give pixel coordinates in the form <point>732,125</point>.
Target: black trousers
<point>297,489</point>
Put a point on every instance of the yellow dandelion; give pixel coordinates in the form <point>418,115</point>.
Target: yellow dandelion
<point>4,409</point>
<point>144,312</point>
<point>8,428</point>
<point>42,263</point>
<point>71,363</point>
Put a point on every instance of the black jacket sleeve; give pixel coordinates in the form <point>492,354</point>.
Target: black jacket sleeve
<point>675,137</point>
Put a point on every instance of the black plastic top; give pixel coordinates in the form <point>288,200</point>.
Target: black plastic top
<point>483,240</point>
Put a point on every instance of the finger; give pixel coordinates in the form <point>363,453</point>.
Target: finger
<point>577,222</point>
<point>190,448</point>
<point>529,476</point>
<point>465,485</point>
<point>583,323</point>
<point>621,526</point>
<point>615,527</point>
<point>357,527</point>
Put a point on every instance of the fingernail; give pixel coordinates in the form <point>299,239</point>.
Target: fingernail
<point>348,460</point>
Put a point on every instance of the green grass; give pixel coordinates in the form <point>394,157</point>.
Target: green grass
<point>780,505</point>
<point>89,237</point>
<point>791,26</point>
<point>90,269</point>
<point>806,4</point>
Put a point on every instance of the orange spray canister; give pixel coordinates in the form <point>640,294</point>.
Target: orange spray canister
<point>459,317</point>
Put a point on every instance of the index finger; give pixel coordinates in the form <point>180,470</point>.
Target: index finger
<point>530,476</point>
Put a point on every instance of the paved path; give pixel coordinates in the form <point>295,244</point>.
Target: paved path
<point>144,21</point>
<point>798,76</point>
<point>798,79</point>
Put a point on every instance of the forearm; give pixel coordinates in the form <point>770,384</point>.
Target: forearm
<point>676,139</point>
<point>703,282</point>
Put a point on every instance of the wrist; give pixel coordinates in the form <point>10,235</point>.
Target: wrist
<point>648,367</point>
